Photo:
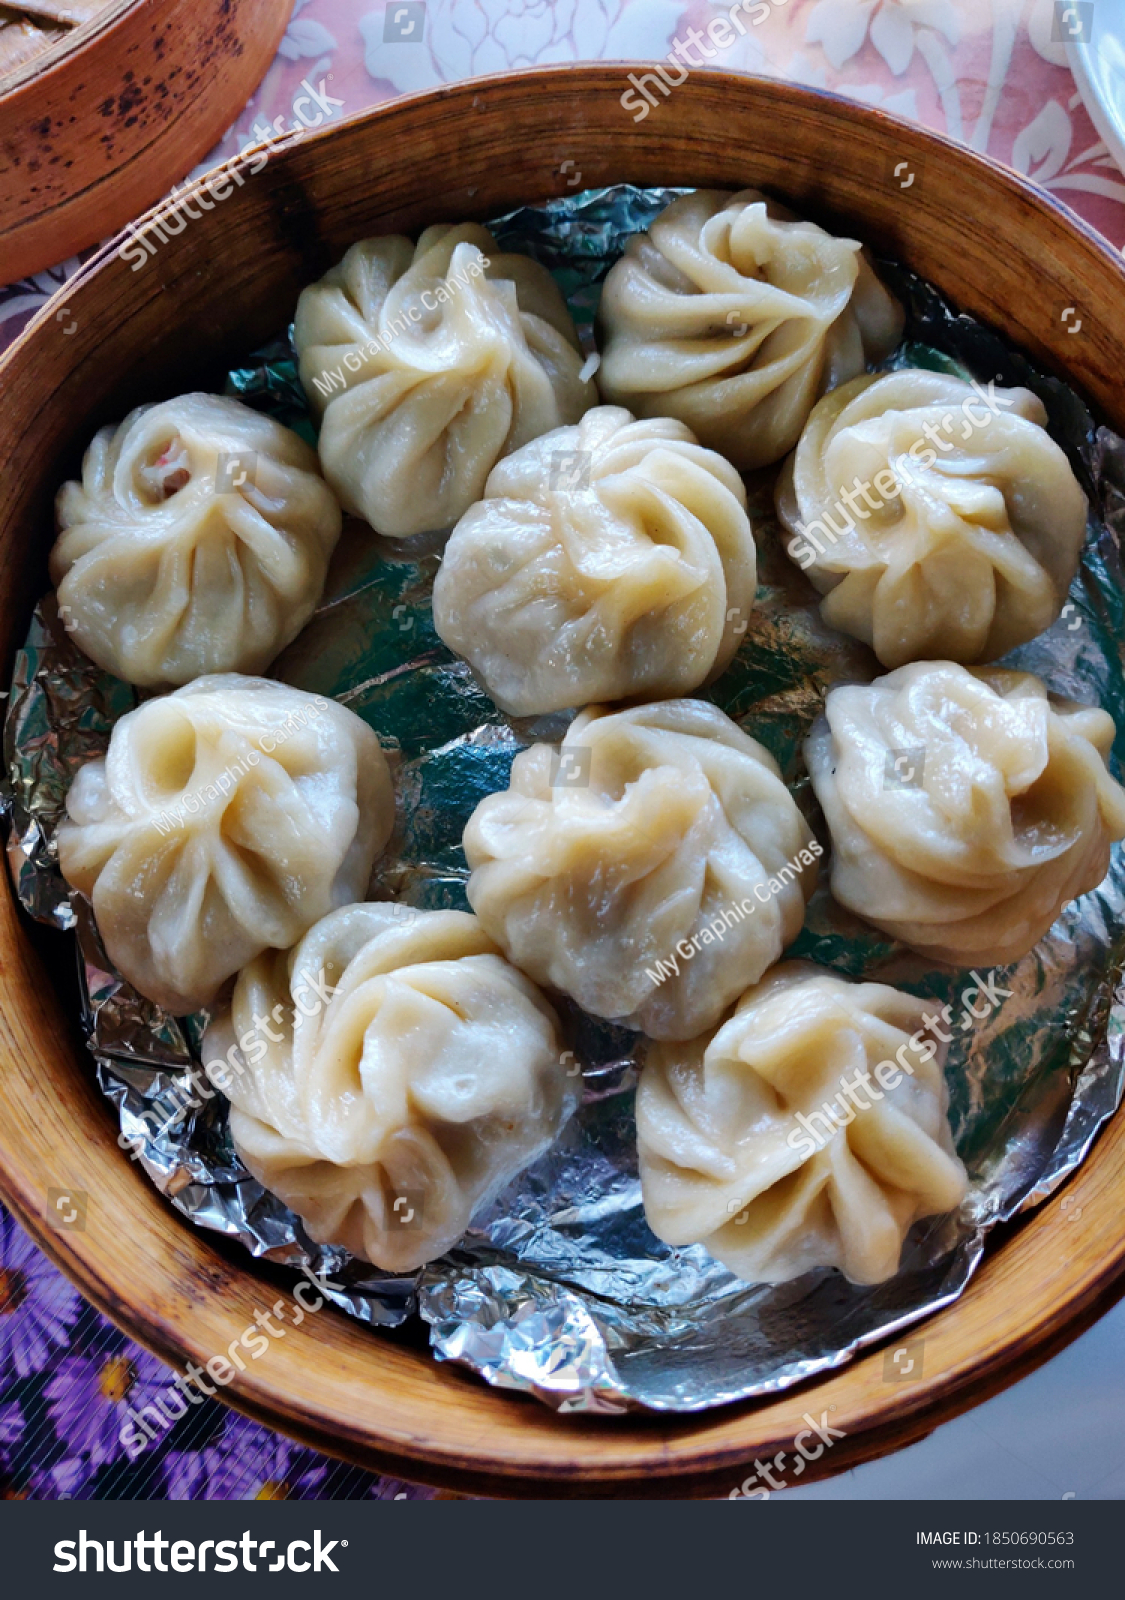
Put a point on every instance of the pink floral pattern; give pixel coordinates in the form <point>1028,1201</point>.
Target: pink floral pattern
<point>987,72</point>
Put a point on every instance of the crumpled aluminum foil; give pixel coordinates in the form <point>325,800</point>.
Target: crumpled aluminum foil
<point>561,1290</point>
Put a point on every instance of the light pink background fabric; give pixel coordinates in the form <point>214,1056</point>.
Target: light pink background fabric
<point>984,71</point>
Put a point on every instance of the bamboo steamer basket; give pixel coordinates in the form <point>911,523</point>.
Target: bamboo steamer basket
<point>1003,251</point>
<point>126,99</point>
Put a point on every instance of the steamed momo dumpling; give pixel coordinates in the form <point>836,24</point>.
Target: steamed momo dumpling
<point>224,819</point>
<point>650,867</point>
<point>936,520</point>
<point>965,808</point>
<point>733,315</point>
<point>610,559</point>
<point>415,1075</point>
<point>197,541</point>
<point>809,1131</point>
<point>429,362</point>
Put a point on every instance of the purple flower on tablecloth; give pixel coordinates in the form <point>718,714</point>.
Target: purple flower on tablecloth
<point>11,1431</point>
<point>64,1481</point>
<point>245,1463</point>
<point>37,1305</point>
<point>92,1400</point>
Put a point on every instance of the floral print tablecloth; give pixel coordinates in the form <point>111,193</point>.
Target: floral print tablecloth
<point>990,72</point>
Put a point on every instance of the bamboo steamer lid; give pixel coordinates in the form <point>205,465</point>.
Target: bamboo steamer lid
<point>105,104</point>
